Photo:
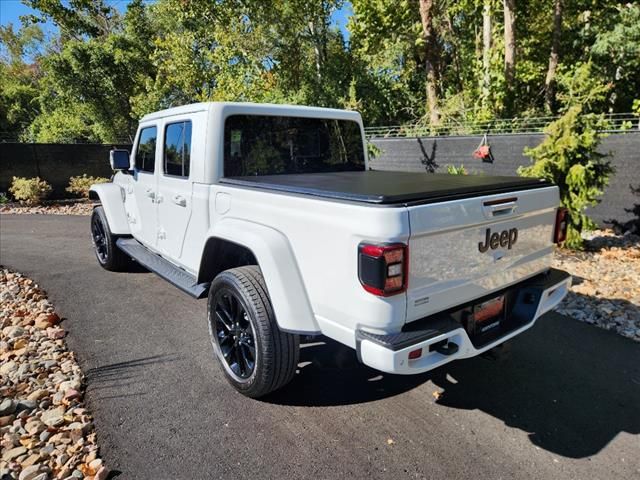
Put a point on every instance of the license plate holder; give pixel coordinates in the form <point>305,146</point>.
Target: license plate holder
<point>486,316</point>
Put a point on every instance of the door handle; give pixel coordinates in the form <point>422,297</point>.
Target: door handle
<point>180,200</point>
<point>150,193</point>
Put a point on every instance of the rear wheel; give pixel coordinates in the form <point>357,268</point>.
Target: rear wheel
<point>109,256</point>
<point>256,357</point>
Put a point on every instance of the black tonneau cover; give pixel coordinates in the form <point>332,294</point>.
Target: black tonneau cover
<point>387,188</point>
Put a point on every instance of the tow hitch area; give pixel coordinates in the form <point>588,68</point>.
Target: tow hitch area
<point>465,331</point>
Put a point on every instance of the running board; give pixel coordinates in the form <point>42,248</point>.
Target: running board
<point>164,268</point>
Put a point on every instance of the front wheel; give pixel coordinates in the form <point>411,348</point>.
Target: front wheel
<point>256,357</point>
<point>109,256</point>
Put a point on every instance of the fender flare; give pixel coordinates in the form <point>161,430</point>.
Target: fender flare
<point>111,198</point>
<point>279,268</point>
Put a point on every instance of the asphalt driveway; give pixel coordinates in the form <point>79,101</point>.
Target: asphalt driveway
<point>565,405</point>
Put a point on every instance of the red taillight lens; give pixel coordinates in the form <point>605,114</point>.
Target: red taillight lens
<point>383,268</point>
<point>562,222</point>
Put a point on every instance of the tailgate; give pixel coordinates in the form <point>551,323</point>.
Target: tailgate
<point>464,249</point>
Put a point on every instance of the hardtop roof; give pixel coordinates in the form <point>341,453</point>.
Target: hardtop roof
<point>251,108</point>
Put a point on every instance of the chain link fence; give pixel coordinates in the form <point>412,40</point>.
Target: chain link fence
<point>617,122</point>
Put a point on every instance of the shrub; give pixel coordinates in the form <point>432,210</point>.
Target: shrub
<point>30,191</point>
<point>80,185</point>
<point>453,170</point>
<point>568,158</point>
<point>3,198</point>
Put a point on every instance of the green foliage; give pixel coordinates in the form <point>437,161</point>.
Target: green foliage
<point>4,199</point>
<point>453,170</point>
<point>103,70</point>
<point>373,151</point>
<point>80,185</point>
<point>568,157</point>
<point>30,191</point>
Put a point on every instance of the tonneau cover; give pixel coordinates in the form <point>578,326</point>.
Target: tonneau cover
<point>387,188</point>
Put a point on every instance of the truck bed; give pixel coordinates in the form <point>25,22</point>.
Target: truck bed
<point>387,188</point>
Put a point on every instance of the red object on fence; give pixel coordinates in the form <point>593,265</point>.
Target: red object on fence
<point>482,152</point>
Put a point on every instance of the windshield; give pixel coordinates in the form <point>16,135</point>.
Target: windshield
<point>270,145</point>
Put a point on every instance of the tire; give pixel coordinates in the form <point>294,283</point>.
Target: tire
<point>109,256</point>
<point>255,356</point>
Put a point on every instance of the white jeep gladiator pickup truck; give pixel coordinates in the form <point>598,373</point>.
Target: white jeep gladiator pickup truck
<point>272,213</point>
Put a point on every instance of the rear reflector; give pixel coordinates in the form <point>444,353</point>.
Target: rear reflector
<point>383,268</point>
<point>413,354</point>
<point>562,222</point>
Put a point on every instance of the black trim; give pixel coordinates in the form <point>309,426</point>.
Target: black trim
<point>163,268</point>
<point>388,188</point>
<point>522,302</point>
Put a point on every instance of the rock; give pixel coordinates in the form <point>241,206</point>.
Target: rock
<point>31,460</point>
<point>34,427</point>
<point>8,367</point>
<point>71,394</point>
<point>6,420</point>
<point>69,385</point>
<point>37,394</point>
<point>27,405</point>
<point>20,343</point>
<point>30,473</point>
<point>14,331</point>
<point>7,407</point>
<point>95,464</point>
<point>13,453</point>
<point>44,436</point>
<point>54,417</point>
<point>56,333</point>
<point>102,474</point>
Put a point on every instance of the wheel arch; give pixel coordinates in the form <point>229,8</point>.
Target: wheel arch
<point>232,243</point>
<point>110,196</point>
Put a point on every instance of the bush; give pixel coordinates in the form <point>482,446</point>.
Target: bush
<point>453,170</point>
<point>568,158</point>
<point>30,191</point>
<point>80,185</point>
<point>3,198</point>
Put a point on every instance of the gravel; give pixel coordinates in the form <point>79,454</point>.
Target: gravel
<point>60,207</point>
<point>45,430</point>
<point>606,282</point>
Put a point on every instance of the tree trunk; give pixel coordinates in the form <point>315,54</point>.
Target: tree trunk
<point>486,51</point>
<point>509,53</point>
<point>550,81</point>
<point>431,56</point>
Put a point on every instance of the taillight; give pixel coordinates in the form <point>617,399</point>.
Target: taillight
<point>383,269</point>
<point>562,222</point>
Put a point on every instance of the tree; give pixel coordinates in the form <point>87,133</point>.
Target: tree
<point>550,80</point>
<point>509,54</point>
<point>430,38</point>
<point>568,156</point>
<point>20,53</point>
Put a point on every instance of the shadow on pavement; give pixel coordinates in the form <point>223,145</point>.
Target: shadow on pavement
<point>572,387</point>
<point>116,376</point>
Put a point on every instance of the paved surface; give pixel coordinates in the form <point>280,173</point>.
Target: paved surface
<point>566,405</point>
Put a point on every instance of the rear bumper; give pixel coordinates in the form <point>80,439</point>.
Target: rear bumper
<point>443,338</point>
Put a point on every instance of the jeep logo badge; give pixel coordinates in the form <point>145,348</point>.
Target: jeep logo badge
<point>506,238</point>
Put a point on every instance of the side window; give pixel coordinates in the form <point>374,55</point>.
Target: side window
<point>146,153</point>
<point>177,149</point>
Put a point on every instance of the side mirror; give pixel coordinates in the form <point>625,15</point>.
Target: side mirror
<point>119,160</point>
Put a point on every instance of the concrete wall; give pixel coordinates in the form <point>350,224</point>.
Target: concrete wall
<point>53,162</point>
<point>435,153</point>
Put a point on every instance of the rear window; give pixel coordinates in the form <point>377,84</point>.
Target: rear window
<point>270,145</point>
<point>177,149</point>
